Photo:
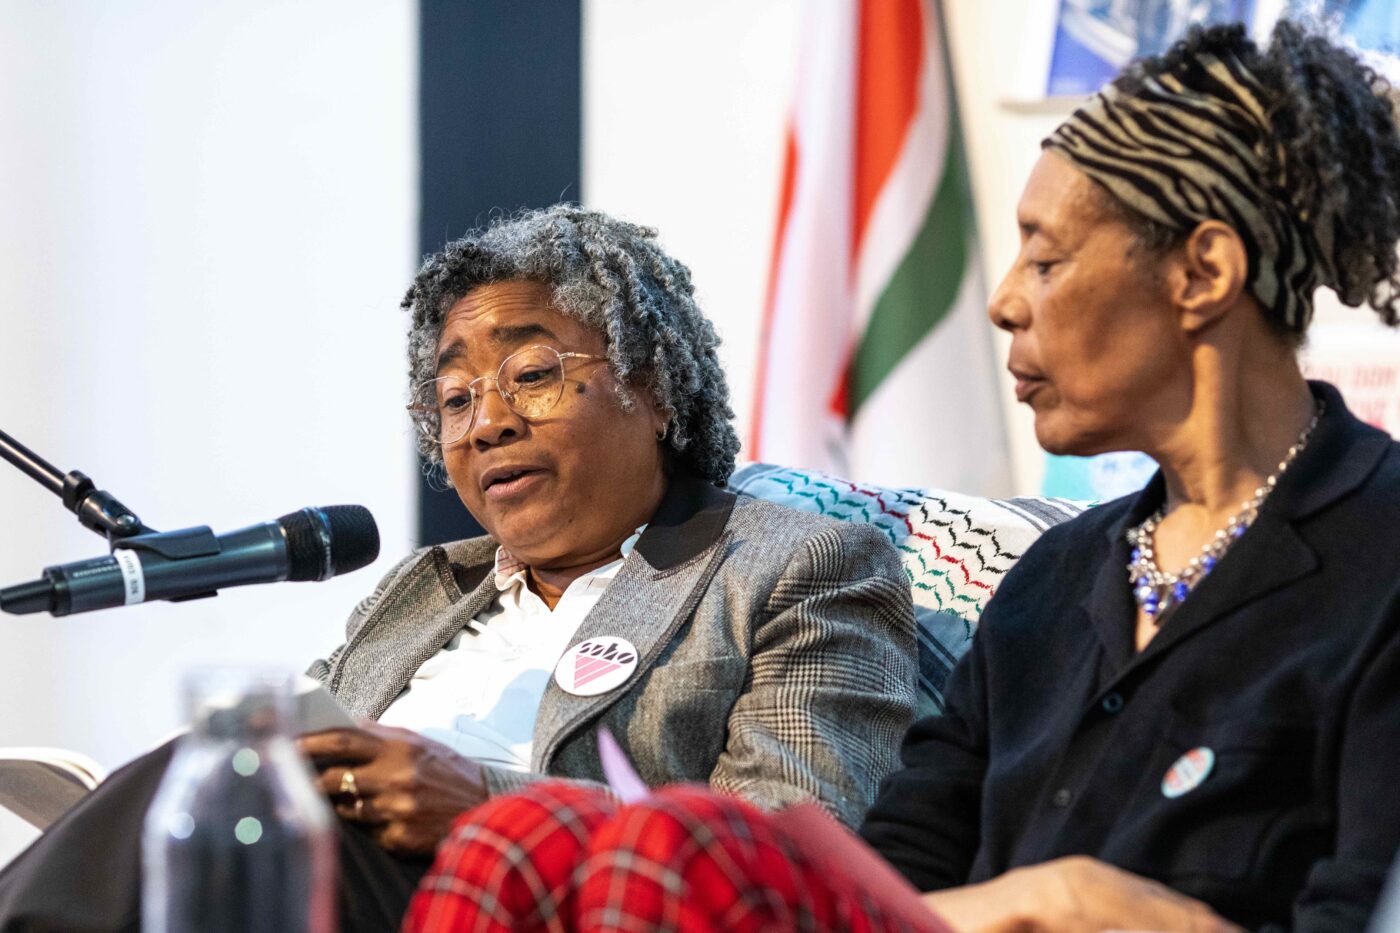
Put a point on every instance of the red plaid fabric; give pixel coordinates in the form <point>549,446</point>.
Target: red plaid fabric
<point>512,863</point>
<point>557,857</point>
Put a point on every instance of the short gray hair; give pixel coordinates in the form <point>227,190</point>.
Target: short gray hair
<point>613,277</point>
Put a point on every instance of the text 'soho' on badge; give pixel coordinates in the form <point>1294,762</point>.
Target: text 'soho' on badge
<point>1188,771</point>
<point>596,666</point>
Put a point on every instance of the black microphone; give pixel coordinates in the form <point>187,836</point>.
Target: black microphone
<point>313,544</point>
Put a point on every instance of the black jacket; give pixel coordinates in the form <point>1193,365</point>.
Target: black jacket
<point>1284,663</point>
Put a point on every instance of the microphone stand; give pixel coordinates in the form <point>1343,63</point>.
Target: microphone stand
<point>96,508</point>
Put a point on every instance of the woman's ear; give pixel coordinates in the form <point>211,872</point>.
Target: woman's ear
<point>1208,275</point>
<point>661,421</point>
<point>660,416</point>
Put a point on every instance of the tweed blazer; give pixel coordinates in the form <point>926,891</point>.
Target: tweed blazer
<point>776,652</point>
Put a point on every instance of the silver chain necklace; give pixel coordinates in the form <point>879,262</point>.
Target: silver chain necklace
<point>1156,591</point>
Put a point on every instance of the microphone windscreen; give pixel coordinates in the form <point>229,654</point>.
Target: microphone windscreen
<point>354,537</point>
<point>331,540</point>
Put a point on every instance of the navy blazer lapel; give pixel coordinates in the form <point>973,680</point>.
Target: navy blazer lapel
<point>1109,608</point>
<point>1271,555</point>
<point>1343,453</point>
<point>655,591</point>
<point>1109,603</point>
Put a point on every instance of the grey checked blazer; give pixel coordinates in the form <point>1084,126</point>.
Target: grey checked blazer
<point>777,653</point>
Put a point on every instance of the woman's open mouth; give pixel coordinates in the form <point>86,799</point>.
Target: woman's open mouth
<point>507,483</point>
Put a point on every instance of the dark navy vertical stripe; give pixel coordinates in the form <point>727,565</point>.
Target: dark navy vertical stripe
<point>499,129</point>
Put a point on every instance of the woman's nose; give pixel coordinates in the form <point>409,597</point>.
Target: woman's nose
<point>1006,309</point>
<point>492,418</point>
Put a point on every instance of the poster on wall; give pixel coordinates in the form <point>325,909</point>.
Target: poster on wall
<point>1372,24</point>
<point>1094,39</point>
<point>1071,48</point>
<point>1362,359</point>
<point>1097,479</point>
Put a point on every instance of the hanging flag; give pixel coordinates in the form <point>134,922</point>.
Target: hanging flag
<point>876,357</point>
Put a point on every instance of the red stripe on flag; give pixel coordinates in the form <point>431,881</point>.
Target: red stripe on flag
<point>765,334</point>
<point>888,61</point>
<point>889,58</point>
<point>840,402</point>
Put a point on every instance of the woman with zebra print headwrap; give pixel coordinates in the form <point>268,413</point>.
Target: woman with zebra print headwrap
<point>1192,690</point>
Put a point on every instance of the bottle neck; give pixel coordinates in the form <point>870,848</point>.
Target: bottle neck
<point>233,705</point>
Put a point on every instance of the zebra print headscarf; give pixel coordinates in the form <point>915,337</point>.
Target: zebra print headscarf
<point>1181,155</point>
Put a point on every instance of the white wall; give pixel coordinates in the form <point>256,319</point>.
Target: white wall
<point>1003,143</point>
<point>207,216</point>
<point>684,111</point>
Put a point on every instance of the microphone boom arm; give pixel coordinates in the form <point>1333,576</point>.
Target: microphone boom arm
<point>96,508</point>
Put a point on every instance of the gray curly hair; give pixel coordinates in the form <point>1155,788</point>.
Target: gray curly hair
<point>614,278</point>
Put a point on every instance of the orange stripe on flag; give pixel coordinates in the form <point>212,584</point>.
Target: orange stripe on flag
<point>888,61</point>
<point>765,335</point>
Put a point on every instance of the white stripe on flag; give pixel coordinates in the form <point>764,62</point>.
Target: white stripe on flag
<point>935,420</point>
<point>811,297</point>
<point>902,205</point>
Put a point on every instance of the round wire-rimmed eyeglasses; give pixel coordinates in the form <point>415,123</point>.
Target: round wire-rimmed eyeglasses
<point>529,381</point>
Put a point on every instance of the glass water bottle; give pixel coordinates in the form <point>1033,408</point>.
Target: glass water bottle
<point>238,839</point>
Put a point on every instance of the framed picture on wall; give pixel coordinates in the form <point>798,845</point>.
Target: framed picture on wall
<point>1094,39</point>
<point>1071,48</point>
<point>1371,26</point>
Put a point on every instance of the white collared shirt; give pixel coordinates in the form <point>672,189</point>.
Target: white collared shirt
<point>480,694</point>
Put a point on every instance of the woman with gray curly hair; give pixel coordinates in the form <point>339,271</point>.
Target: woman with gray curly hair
<point>567,384</point>
<point>612,277</point>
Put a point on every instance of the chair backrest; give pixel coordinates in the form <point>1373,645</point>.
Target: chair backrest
<point>955,548</point>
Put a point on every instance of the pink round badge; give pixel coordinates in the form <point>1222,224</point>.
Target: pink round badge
<point>1188,771</point>
<point>596,666</point>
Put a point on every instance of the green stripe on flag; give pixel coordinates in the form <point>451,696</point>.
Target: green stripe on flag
<point>924,286</point>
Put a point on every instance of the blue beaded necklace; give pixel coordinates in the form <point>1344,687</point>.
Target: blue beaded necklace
<point>1156,591</point>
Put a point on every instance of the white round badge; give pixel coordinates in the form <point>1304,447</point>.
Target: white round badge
<point>596,666</point>
<point>1188,771</point>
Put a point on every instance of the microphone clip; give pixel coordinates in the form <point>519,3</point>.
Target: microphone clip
<point>99,510</point>
<point>174,545</point>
